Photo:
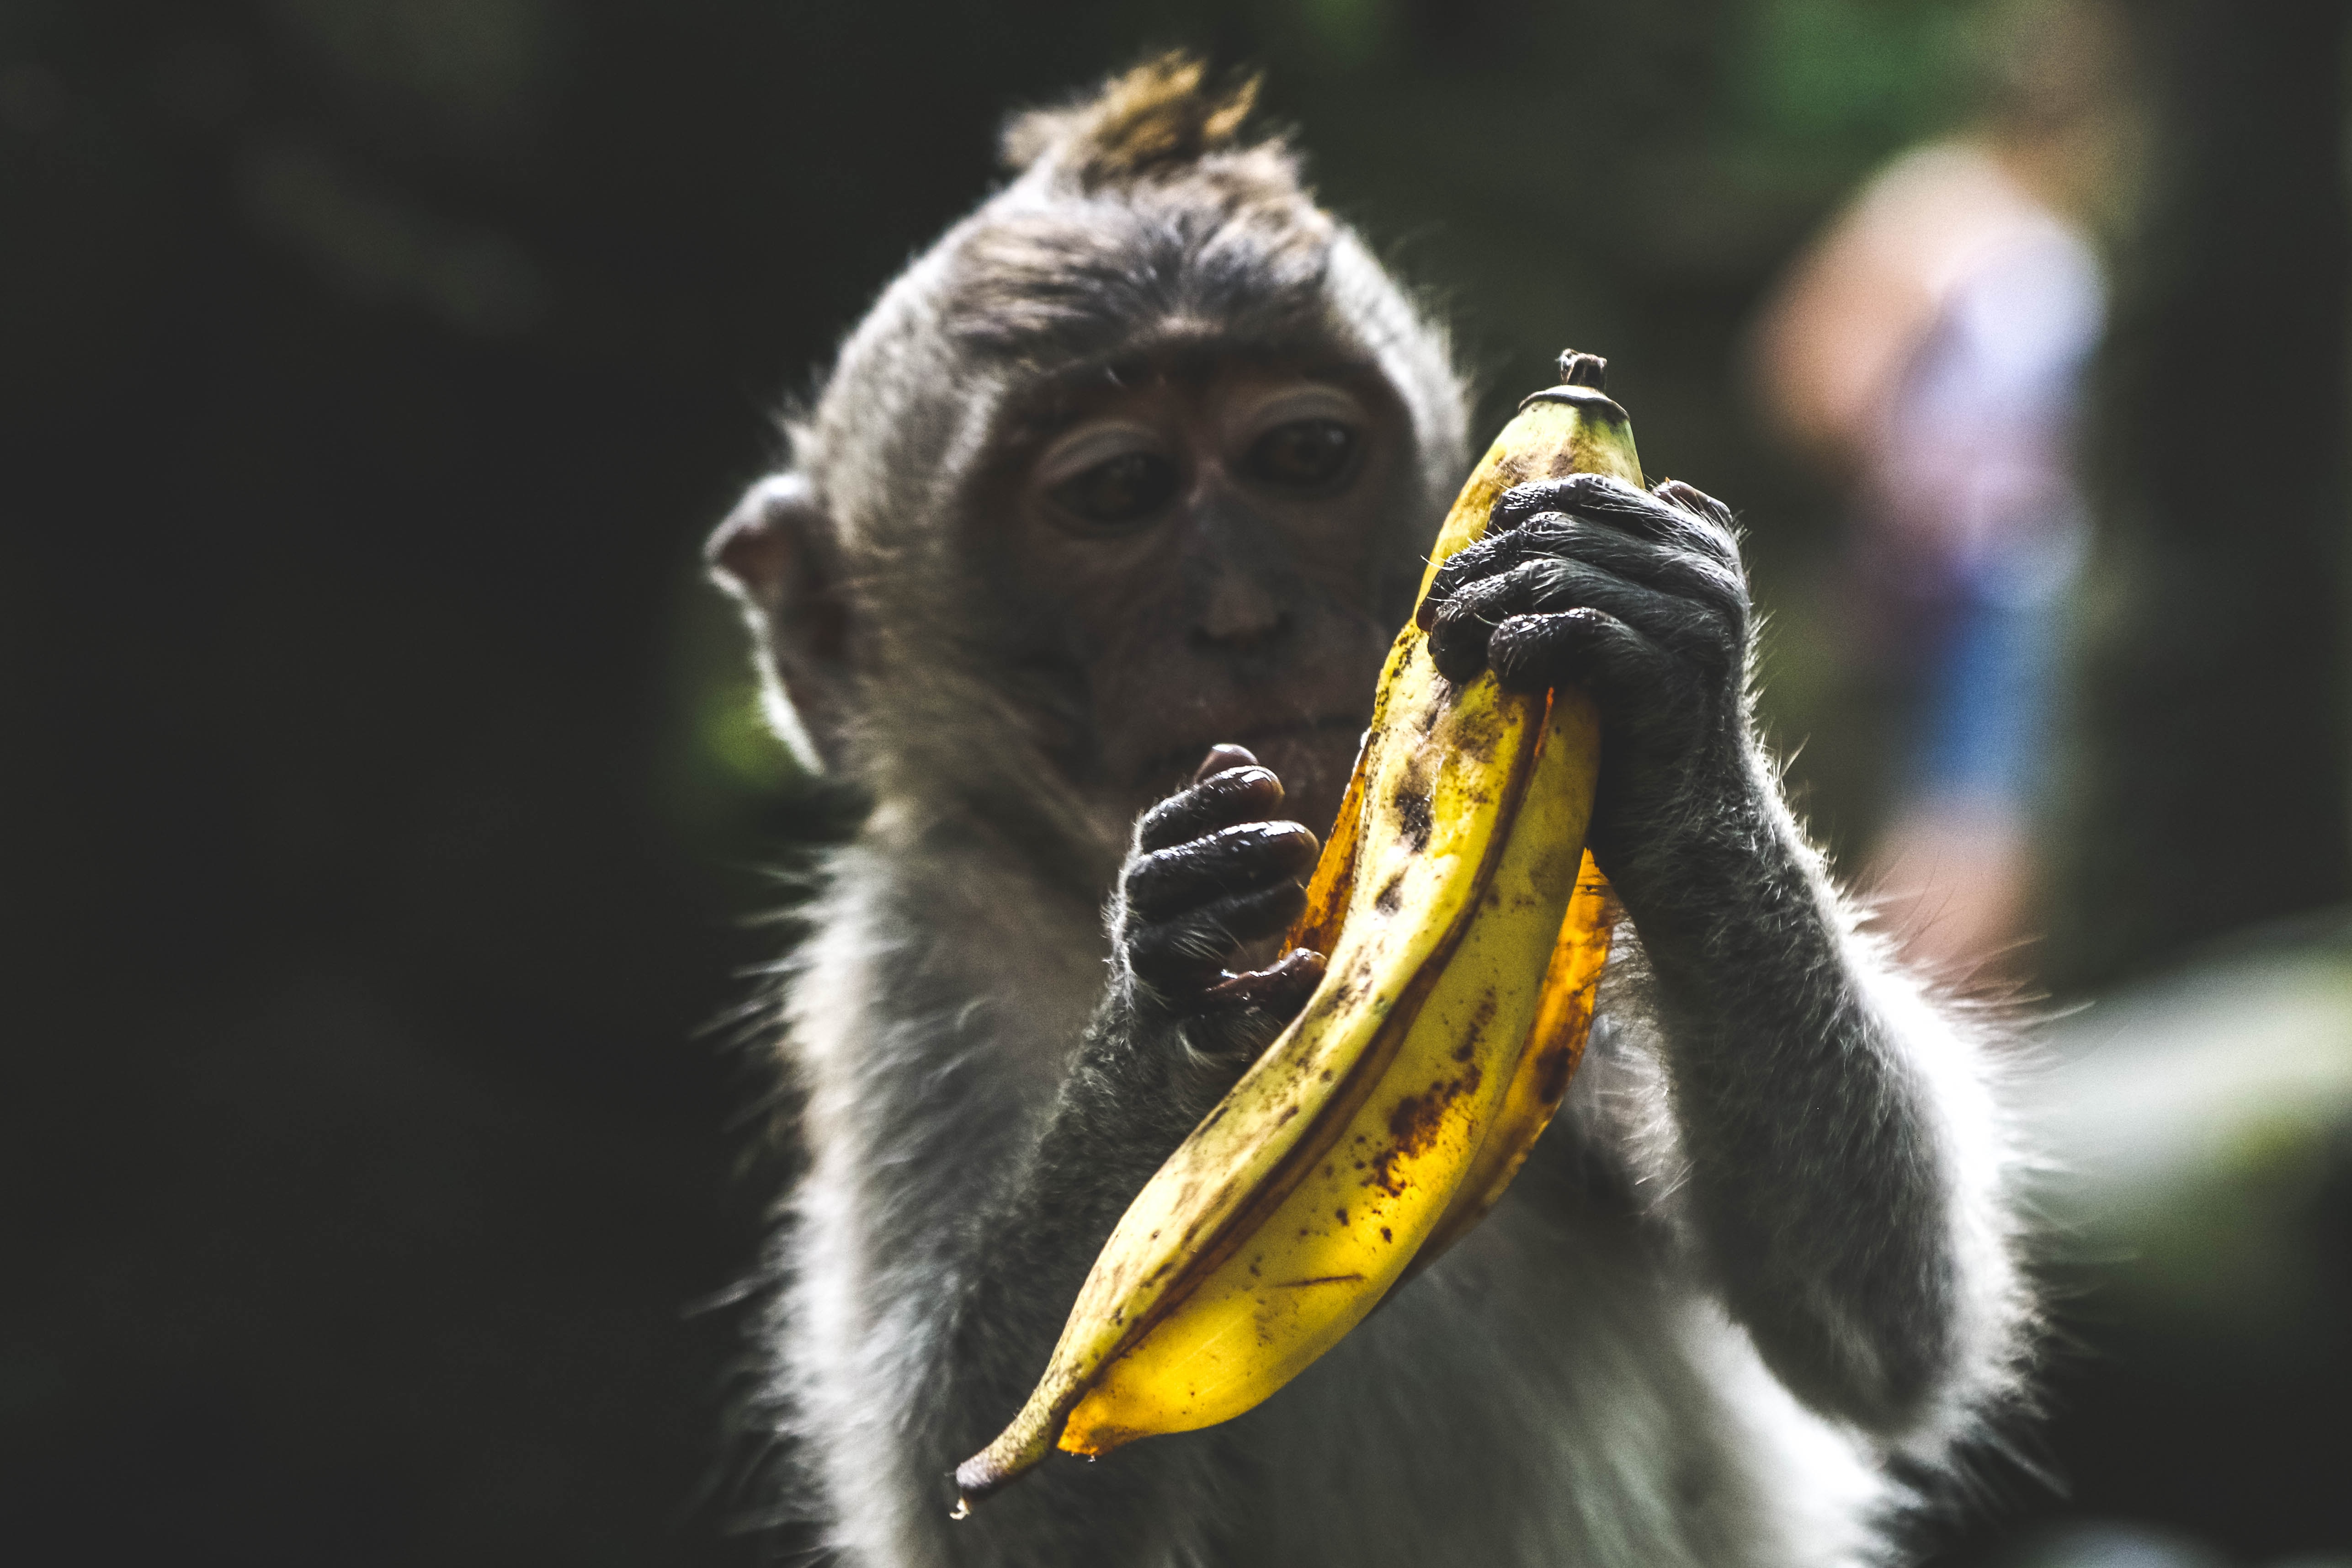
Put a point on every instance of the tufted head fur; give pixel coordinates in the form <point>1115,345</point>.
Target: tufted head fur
<point>1159,116</point>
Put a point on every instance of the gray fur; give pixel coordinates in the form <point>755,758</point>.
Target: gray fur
<point>1768,1248</point>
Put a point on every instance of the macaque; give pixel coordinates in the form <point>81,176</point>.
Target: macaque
<point>1082,572</point>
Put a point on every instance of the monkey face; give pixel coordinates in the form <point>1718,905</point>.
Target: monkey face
<point>1194,553</point>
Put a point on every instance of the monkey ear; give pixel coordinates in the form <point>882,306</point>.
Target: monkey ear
<point>779,554</point>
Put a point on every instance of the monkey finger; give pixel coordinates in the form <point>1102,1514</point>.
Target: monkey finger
<point>1458,642</point>
<point>1459,628</point>
<point>1238,859</point>
<point>1262,912</point>
<point>1691,498</point>
<point>1244,794</point>
<point>1621,669</point>
<point>1694,631</point>
<point>1243,1014</point>
<point>1591,494</point>
<point>1667,519</point>
<point>1281,988</point>
<point>1606,500</point>
<point>1473,563</point>
<point>1177,959</point>
<point>1692,573</point>
<point>1603,499</point>
<point>1521,503</point>
<point>1190,951</point>
<point>1676,527</point>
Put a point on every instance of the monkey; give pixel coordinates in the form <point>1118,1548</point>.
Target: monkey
<point>1081,572</point>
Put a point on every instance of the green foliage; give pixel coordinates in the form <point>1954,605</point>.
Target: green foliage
<point>1349,33</point>
<point>1868,74</point>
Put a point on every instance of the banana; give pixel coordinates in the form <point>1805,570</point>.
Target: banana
<point>1555,1046</point>
<point>1466,930</point>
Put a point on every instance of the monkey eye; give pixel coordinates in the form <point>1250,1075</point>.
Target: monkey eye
<point>1119,490</point>
<point>1304,454</point>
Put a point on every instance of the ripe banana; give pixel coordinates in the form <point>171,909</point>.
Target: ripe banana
<point>1465,931</point>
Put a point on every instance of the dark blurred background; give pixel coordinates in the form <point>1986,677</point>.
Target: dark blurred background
<point>389,823</point>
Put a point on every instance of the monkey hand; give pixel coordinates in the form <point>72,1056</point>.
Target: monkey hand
<point>1639,598</point>
<point>1212,869</point>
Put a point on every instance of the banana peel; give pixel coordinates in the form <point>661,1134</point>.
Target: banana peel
<point>1466,930</point>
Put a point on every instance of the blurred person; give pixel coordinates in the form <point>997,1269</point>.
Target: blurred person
<point>1929,351</point>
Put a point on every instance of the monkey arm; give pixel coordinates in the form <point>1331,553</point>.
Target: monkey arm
<point>1135,1088</point>
<point>1172,1031</point>
<point>1842,1150</point>
<point>961,1276</point>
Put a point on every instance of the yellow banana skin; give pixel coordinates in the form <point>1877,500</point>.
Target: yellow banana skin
<point>1459,916</point>
<point>1325,1255</point>
<point>1555,1046</point>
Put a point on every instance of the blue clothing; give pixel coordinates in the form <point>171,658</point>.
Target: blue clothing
<point>1975,527</point>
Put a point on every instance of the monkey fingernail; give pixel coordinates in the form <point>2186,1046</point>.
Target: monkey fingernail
<point>1220,759</point>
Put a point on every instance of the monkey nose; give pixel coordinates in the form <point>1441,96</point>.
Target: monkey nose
<point>1241,618</point>
<point>1235,607</point>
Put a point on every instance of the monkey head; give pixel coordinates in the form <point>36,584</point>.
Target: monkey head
<point>1139,457</point>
